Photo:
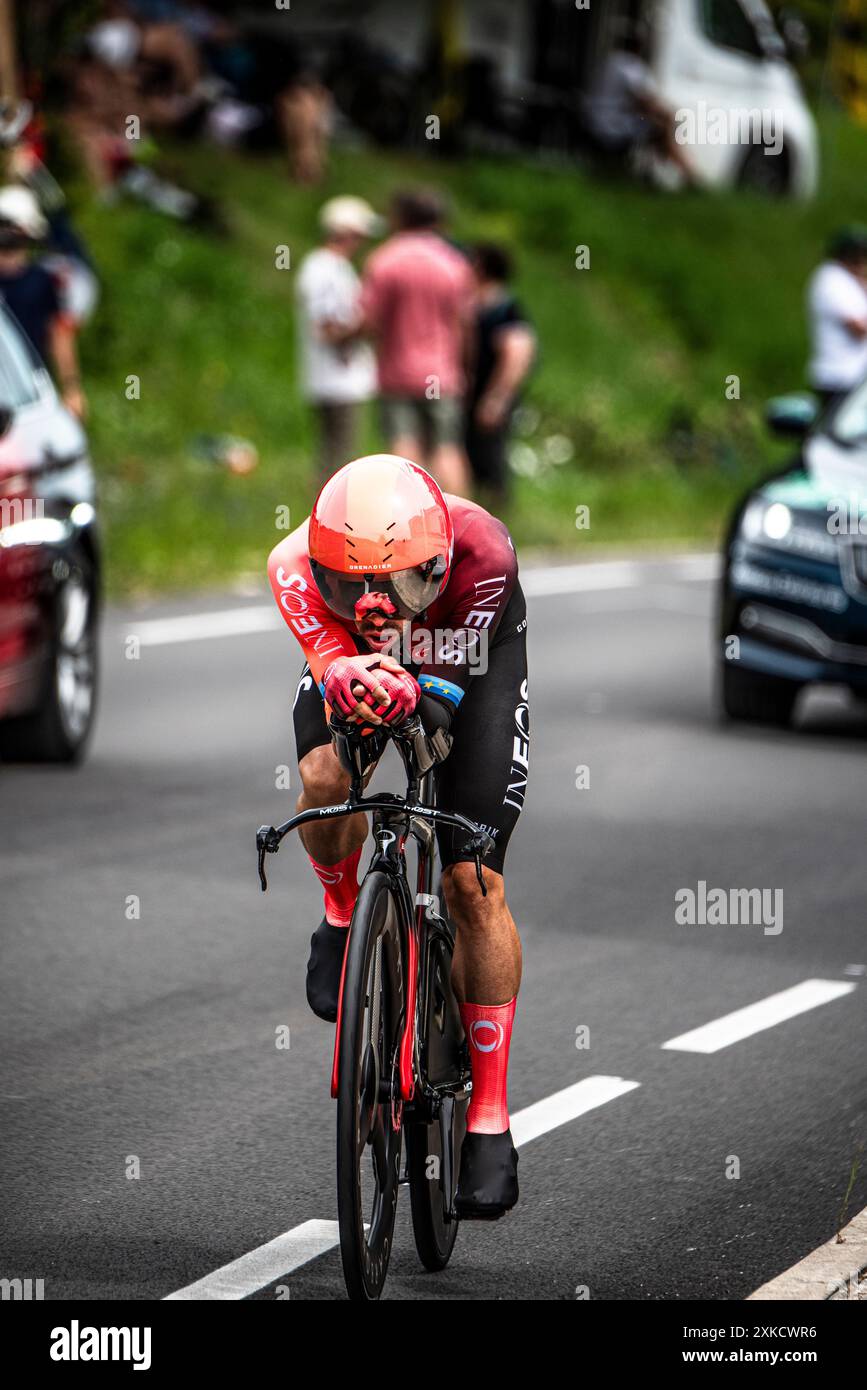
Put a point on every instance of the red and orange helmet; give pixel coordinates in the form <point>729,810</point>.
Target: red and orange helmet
<point>380,525</point>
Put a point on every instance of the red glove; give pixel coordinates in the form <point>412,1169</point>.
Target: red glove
<point>404,690</point>
<point>377,681</point>
<point>348,671</point>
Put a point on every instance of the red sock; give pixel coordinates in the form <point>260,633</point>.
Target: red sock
<point>489,1031</point>
<point>340,882</point>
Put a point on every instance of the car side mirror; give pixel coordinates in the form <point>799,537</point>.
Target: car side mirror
<point>791,417</point>
<point>6,418</point>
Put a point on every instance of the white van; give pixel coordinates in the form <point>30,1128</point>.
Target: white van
<point>526,69</point>
<point>721,66</point>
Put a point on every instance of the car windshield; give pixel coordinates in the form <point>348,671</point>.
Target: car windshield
<point>849,421</point>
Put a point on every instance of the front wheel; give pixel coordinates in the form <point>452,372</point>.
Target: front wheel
<point>760,699</point>
<point>766,173</point>
<point>369,1112</point>
<point>59,728</point>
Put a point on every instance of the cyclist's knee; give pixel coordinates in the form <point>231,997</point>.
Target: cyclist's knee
<point>464,897</point>
<point>322,777</point>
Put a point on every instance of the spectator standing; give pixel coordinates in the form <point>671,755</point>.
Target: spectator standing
<point>837,311</point>
<point>417,305</point>
<point>623,110</point>
<point>304,111</point>
<point>501,357</point>
<point>32,294</point>
<point>65,256</point>
<point>338,371</point>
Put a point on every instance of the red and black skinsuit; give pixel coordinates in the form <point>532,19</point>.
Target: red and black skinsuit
<point>470,661</point>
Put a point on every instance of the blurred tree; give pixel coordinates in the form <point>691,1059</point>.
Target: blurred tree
<point>8,53</point>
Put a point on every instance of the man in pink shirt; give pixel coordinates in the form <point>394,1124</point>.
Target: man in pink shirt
<point>416,303</point>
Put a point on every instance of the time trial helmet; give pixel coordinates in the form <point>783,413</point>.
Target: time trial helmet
<point>380,525</point>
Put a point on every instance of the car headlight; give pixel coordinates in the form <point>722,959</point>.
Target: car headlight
<point>777,522</point>
<point>37,530</point>
<point>766,522</point>
<point>23,522</point>
<point>801,533</point>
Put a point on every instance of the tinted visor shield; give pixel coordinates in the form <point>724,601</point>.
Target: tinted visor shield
<point>405,593</point>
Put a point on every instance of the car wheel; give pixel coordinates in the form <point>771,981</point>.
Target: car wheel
<point>58,729</point>
<point>759,699</point>
<point>765,173</point>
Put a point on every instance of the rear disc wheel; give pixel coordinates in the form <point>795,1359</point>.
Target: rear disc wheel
<point>433,1173</point>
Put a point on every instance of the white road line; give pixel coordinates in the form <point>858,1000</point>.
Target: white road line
<point>537,583</point>
<point>574,579</point>
<point>264,1264</point>
<point>194,627</point>
<point>566,1105</point>
<point>732,1028</point>
<point>297,1247</point>
<point>615,574</point>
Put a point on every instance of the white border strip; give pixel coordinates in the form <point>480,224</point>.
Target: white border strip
<point>836,1272</point>
<point>195,627</point>
<point>547,581</point>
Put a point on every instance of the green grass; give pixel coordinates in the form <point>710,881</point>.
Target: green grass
<point>682,293</point>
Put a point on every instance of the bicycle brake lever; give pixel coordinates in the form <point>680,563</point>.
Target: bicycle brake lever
<point>478,846</point>
<point>480,876</point>
<point>266,843</point>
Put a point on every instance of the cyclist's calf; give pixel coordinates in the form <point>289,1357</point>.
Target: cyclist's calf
<point>487,963</point>
<point>325,783</point>
<point>323,779</point>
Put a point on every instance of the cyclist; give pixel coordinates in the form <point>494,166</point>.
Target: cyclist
<point>387,567</point>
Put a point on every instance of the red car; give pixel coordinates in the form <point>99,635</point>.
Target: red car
<point>49,565</point>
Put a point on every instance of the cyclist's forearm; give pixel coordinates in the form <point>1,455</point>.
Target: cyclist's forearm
<point>434,714</point>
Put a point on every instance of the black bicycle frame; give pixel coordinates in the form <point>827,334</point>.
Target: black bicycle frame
<point>397,818</point>
<point>403,809</point>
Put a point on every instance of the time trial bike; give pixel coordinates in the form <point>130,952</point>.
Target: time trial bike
<point>401,1066</point>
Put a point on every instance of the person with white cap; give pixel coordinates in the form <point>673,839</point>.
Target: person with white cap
<point>32,293</point>
<point>337,375</point>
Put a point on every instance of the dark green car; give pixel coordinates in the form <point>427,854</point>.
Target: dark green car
<point>794,589</point>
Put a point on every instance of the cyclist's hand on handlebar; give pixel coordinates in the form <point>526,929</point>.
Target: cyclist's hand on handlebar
<point>370,689</point>
<point>352,687</point>
<point>403,689</point>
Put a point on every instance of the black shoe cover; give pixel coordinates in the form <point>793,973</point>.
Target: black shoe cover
<point>488,1179</point>
<point>327,945</point>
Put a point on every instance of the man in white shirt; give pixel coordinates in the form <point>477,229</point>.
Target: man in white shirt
<point>837,309</point>
<point>623,110</point>
<point>337,376</point>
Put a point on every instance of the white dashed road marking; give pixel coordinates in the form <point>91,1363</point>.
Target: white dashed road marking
<point>264,1264</point>
<point>287,1252</point>
<point>567,1105</point>
<point>294,1248</point>
<point>777,1008</point>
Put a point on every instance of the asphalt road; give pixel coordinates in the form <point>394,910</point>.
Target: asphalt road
<point>152,1038</point>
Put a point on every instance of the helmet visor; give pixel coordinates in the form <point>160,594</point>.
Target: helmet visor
<point>404,593</point>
